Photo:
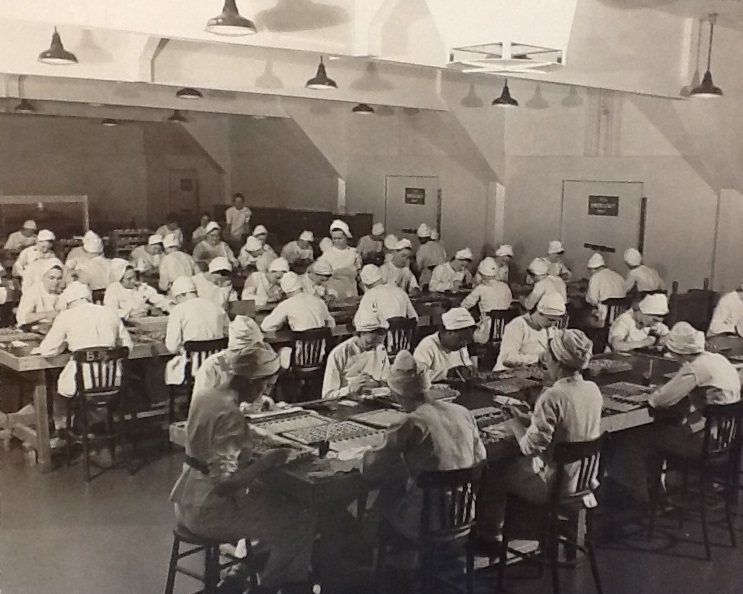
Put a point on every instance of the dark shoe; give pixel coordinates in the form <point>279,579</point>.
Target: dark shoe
<point>234,581</point>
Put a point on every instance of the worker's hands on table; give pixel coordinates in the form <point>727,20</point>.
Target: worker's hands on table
<point>356,385</point>
<point>519,412</point>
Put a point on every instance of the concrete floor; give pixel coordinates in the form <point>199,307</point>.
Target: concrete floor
<point>113,536</point>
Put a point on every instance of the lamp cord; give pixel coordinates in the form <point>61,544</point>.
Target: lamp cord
<point>711,33</point>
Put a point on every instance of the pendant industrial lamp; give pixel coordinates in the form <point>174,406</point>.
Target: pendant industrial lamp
<point>25,106</point>
<point>109,122</point>
<point>505,99</point>
<point>321,81</point>
<point>57,55</point>
<point>708,89</point>
<point>177,117</point>
<point>189,93</point>
<point>230,23</point>
<point>363,109</point>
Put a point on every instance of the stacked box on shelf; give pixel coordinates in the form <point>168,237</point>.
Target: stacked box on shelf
<point>125,240</point>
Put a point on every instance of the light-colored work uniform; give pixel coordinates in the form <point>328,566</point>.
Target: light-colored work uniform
<point>444,278</point>
<point>94,272</point>
<point>27,257</point>
<point>144,261</point>
<point>309,287</point>
<point>198,235</point>
<point>133,303</point>
<point>17,241</point>
<point>345,265</point>
<point>237,221</point>
<point>261,262</point>
<point>292,253</point>
<point>548,284</point>
<point>625,328</point>
<point>301,312</point>
<point>428,256</point>
<point>370,249</point>
<point>522,344</point>
<point>605,284</point>
<point>163,232</point>
<point>348,360</point>
<point>728,314</point>
<point>172,266</point>
<point>643,278</point>
<point>400,277</point>
<point>489,296</point>
<point>36,299</point>
<point>558,269</point>
<point>437,360</point>
<point>206,252</point>
<point>260,289</point>
<point>387,301</point>
<point>220,296</point>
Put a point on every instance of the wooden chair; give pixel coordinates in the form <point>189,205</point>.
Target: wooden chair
<point>196,352</point>
<point>447,516</point>
<point>497,319</point>
<point>400,335</point>
<point>615,307</point>
<point>100,378</point>
<point>310,350</point>
<point>719,459</point>
<point>565,501</point>
<point>98,295</point>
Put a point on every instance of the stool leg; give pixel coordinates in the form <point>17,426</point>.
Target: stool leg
<point>731,492</point>
<point>553,545</point>
<point>68,443</point>
<point>654,496</point>
<point>84,439</point>
<point>211,570</point>
<point>503,552</point>
<point>703,512</point>
<point>379,568</point>
<point>592,552</point>
<point>170,584</point>
<point>470,568</point>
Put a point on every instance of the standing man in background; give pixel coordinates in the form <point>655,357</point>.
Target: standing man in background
<point>237,218</point>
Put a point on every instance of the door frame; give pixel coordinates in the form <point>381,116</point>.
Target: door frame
<point>438,200</point>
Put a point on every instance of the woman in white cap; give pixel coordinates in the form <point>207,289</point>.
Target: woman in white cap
<point>128,297</point>
<point>370,246</point>
<point>315,278</point>
<point>430,254</point>
<point>556,266</point>
<point>300,251</point>
<point>491,294</point>
<point>383,299</point>
<point>40,302</point>
<point>254,257</point>
<point>261,234</point>
<point>435,435</point>
<point>544,283</point>
<point>199,234</point>
<point>397,270</point>
<point>344,260</point>
<point>447,348</point>
<point>359,363</point>
<point>175,263</point>
<point>704,378</point>
<point>41,250</point>
<point>87,250</point>
<point>728,315</point>
<point>95,270</point>
<point>265,287</point>
<point>24,238</point>
<point>172,226</point>
<point>642,327</point>
<point>503,258</point>
<point>454,275</point>
<point>604,284</point>
<point>192,318</point>
<point>525,337</point>
<point>212,246</point>
<point>215,284</point>
<point>219,493</point>
<point>300,311</point>
<point>146,258</point>
<point>641,278</point>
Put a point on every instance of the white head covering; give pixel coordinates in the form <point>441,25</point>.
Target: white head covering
<point>368,321</point>
<point>684,339</point>
<point>322,268</point>
<point>654,305</point>
<point>596,261</point>
<point>572,348</point>
<point>423,230</point>
<point>404,244</point>
<point>487,267</point>
<point>47,265</point>
<point>465,254</point>
<point>154,239</point>
<point>338,225</point>
<point>253,244</point>
<point>632,257</point>
<point>325,244</point>
<point>76,290</point>
<point>182,285</point>
<point>555,247</point>
<point>220,264</point>
<point>92,243</point>
<point>30,224</point>
<point>434,235</point>
<point>390,242</point>
<point>118,269</point>
<point>256,361</point>
<point>307,236</point>
<point>259,230</point>
<point>279,265</point>
<point>377,229</point>
<point>551,304</point>
<point>243,331</point>
<point>407,376</point>
<point>538,267</point>
<point>171,241</point>
<point>504,250</point>
<point>370,274</point>
<point>457,318</point>
<point>212,226</point>
<point>290,283</point>
<point>45,235</point>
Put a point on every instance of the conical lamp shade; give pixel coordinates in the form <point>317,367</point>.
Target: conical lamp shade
<point>707,89</point>
<point>189,93</point>
<point>57,55</point>
<point>109,122</point>
<point>177,117</point>
<point>25,106</point>
<point>321,81</point>
<point>505,99</point>
<point>363,109</point>
<point>230,23</point>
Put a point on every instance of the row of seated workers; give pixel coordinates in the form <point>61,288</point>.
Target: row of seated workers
<point>220,493</point>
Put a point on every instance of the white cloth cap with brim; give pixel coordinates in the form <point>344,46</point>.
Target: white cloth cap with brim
<point>504,250</point>
<point>390,242</point>
<point>339,225</point>
<point>322,268</point>
<point>92,243</point>
<point>290,283</point>
<point>377,229</point>
<point>464,254</point>
<point>76,290</point>
<point>434,235</point>
<point>684,339</point>
<point>253,244</point>
<point>48,265</point>
<point>487,267</point>
<point>117,269</point>
<point>407,376</point>
<point>368,321</point>
<point>171,241</point>
<point>595,261</point>
<point>572,348</point>
<point>404,244</point>
<point>260,230</point>
<point>551,304</point>
<point>423,230</point>
<point>155,239</point>
<point>182,285</point>
<point>220,264</point>
<point>279,265</point>
<point>457,318</point>
<point>30,224</point>
<point>307,236</point>
<point>45,235</point>
<point>555,247</point>
<point>654,305</point>
<point>633,257</point>
<point>213,226</point>
<point>243,331</point>
<point>538,267</point>
<point>370,274</point>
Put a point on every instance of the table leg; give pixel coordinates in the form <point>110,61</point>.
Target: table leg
<point>37,438</point>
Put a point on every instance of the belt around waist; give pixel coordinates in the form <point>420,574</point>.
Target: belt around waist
<point>197,465</point>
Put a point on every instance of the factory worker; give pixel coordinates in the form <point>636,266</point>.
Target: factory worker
<point>40,302</point>
<point>604,284</point>
<point>128,297</point>
<point>24,238</point>
<point>447,348</point>
<point>94,270</point>
<point>261,234</point>
<point>525,337</point>
<point>212,246</point>
<point>389,245</point>
<point>300,311</point>
<point>82,325</point>
<point>192,318</point>
<point>491,294</point>
<point>397,271</point>
<point>370,247</point>
<point>503,258</point>
<point>80,253</point>
<point>344,260</point>
<point>254,256</point>
<point>728,314</point>
<point>199,234</point>
<point>215,284</point>
<point>317,276</point>
<point>299,251</point>
<point>435,436</point>
<point>174,263</point>
<point>430,254</point>
<point>383,299</point>
<point>359,363</point>
<point>220,495</point>
<point>171,227</point>
<point>454,275</point>
<point>555,265</point>
<point>544,283</point>
<point>146,258</point>
<point>265,287</point>
<point>642,327</point>
<point>640,278</point>
<point>41,250</point>
<point>237,219</point>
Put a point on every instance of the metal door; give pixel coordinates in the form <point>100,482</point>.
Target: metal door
<point>410,201</point>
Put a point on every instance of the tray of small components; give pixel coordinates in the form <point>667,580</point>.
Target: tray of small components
<point>487,415</point>
<point>624,397</point>
<point>11,334</point>
<point>264,441</point>
<point>382,419</point>
<point>512,385</point>
<point>607,366</point>
<point>343,435</point>
<point>294,420</point>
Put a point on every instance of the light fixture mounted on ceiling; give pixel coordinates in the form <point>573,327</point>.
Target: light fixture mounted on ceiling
<point>708,89</point>
<point>230,23</point>
<point>177,117</point>
<point>189,93</point>
<point>321,81</point>
<point>505,99</point>
<point>109,122</point>
<point>57,55</point>
<point>363,109</point>
<point>25,106</point>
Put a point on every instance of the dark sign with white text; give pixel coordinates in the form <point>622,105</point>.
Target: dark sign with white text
<point>603,206</point>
